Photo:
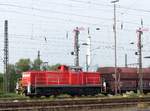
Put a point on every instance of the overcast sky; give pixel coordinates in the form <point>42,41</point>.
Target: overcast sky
<point>31,21</point>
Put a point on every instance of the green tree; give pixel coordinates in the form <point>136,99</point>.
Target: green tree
<point>1,82</point>
<point>36,64</point>
<point>15,71</point>
<point>53,67</point>
<point>23,65</point>
<point>12,79</point>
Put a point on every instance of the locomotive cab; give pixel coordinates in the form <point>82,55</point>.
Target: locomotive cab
<point>76,69</point>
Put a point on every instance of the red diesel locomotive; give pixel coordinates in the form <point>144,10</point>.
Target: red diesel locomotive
<point>66,80</point>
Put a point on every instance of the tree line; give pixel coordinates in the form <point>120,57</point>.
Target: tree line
<point>15,70</point>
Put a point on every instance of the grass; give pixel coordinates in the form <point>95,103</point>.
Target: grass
<point>130,94</point>
<point>11,95</point>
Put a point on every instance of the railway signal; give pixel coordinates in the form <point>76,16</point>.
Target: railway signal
<point>147,57</point>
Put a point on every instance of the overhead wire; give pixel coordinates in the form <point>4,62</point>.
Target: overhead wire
<point>71,5</point>
<point>54,11</point>
<point>101,4</point>
<point>127,8</point>
<point>50,38</point>
<point>59,12</point>
<point>55,18</point>
<point>66,13</point>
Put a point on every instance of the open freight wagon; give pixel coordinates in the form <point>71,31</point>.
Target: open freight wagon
<point>127,79</point>
<point>64,81</point>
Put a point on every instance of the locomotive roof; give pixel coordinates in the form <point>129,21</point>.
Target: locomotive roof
<point>63,68</point>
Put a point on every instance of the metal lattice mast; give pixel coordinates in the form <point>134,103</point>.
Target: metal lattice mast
<point>115,41</point>
<point>6,73</point>
<point>76,46</point>
<point>139,45</point>
<point>140,32</point>
<point>38,57</point>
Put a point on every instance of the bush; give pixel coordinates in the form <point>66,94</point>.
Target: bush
<point>130,94</point>
<point>100,95</point>
<point>64,96</point>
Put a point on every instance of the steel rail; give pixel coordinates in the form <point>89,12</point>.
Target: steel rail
<point>92,102</point>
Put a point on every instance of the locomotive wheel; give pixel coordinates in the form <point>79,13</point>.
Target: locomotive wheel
<point>38,96</point>
<point>47,96</point>
<point>31,96</point>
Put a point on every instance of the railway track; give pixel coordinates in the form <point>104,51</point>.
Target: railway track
<point>59,105</point>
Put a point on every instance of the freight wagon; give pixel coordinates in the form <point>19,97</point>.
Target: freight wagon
<point>127,79</point>
<point>66,80</point>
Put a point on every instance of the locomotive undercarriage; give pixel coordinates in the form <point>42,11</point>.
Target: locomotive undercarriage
<point>73,91</point>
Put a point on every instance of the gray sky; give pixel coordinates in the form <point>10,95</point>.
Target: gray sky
<point>30,21</point>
